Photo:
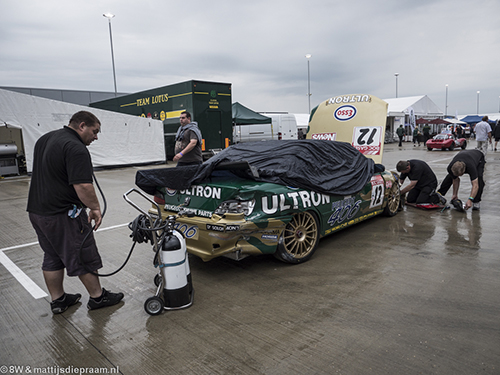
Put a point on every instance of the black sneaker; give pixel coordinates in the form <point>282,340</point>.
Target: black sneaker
<point>442,200</point>
<point>457,203</point>
<point>62,303</point>
<point>106,299</point>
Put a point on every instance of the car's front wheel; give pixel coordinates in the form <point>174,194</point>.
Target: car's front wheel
<point>464,145</point>
<point>452,146</point>
<point>299,240</point>
<point>393,200</point>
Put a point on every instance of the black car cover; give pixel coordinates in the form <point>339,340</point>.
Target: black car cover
<point>328,167</point>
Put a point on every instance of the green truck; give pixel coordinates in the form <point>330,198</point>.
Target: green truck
<point>208,102</point>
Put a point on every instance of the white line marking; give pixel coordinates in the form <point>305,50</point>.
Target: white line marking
<point>23,279</point>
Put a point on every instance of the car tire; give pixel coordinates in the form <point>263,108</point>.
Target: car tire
<point>429,148</point>
<point>464,145</point>
<point>393,200</point>
<point>452,147</point>
<point>299,239</point>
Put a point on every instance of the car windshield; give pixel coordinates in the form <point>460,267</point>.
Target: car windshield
<point>441,136</point>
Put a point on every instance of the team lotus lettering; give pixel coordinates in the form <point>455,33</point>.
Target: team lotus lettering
<point>152,100</point>
<point>324,136</point>
<point>281,203</point>
<point>203,191</point>
<point>344,210</point>
<point>348,99</point>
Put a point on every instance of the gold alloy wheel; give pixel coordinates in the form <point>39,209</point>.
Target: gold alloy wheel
<point>301,235</point>
<point>393,200</point>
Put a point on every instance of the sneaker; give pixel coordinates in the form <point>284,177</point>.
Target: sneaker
<point>457,203</point>
<point>62,303</point>
<point>475,206</point>
<point>106,299</point>
<point>442,200</point>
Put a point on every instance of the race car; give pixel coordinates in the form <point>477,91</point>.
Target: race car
<point>273,197</point>
<point>446,141</point>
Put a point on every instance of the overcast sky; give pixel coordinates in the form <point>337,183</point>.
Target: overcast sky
<point>357,46</point>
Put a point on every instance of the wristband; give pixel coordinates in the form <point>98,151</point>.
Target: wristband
<point>181,153</point>
<point>471,198</point>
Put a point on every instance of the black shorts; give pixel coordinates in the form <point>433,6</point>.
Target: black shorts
<point>61,237</point>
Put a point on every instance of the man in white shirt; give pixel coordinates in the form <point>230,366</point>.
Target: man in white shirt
<point>483,135</point>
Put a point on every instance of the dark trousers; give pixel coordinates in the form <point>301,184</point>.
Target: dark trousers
<point>400,140</point>
<point>423,195</point>
<point>448,182</point>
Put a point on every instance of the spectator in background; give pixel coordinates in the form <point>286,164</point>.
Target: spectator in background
<point>483,135</point>
<point>400,132</point>
<point>497,134</point>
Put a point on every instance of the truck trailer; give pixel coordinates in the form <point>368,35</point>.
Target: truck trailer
<point>208,102</point>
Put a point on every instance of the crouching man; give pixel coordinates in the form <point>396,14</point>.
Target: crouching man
<point>423,182</point>
<point>470,162</point>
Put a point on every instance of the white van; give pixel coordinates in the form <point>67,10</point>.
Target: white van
<point>284,126</point>
<point>252,133</point>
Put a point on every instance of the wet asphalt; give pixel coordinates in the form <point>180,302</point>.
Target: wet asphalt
<point>414,294</point>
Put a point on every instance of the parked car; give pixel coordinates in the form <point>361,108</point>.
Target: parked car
<point>274,197</point>
<point>446,141</point>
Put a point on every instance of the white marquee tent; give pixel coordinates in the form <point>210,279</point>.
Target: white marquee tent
<point>422,107</point>
<point>124,139</point>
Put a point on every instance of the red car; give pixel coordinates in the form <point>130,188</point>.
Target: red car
<point>445,141</point>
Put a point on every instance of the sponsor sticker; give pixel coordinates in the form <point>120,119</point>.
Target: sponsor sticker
<point>223,228</point>
<point>324,136</point>
<point>170,192</point>
<point>270,237</point>
<point>215,228</point>
<point>345,112</point>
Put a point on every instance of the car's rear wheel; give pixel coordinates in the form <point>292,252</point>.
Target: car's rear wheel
<point>464,145</point>
<point>299,240</point>
<point>393,200</point>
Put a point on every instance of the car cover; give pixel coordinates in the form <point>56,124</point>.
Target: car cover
<point>327,167</point>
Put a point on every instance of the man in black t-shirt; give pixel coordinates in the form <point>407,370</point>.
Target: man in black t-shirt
<point>471,162</point>
<point>423,182</point>
<point>61,190</point>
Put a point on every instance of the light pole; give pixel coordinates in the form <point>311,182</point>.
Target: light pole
<point>396,74</point>
<point>446,103</point>
<point>499,104</point>
<point>109,16</point>
<point>478,102</point>
<point>308,56</point>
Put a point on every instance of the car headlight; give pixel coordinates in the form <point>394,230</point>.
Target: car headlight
<point>236,207</point>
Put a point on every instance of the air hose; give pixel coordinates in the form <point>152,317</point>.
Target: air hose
<point>141,232</point>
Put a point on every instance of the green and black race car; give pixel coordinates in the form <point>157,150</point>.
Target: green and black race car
<point>274,197</point>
